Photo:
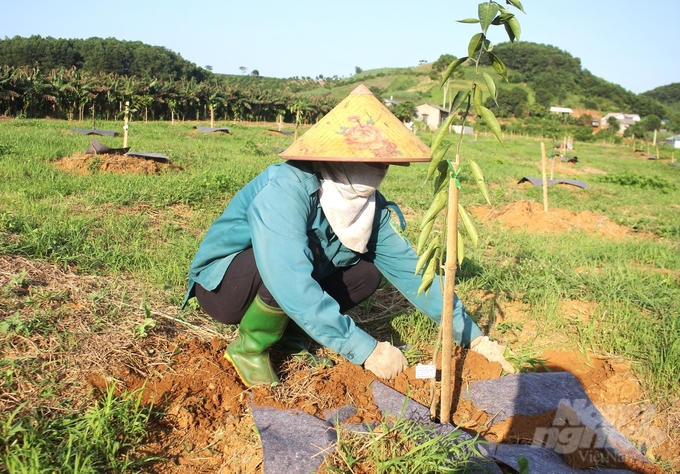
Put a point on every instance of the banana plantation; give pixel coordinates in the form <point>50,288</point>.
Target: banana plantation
<point>74,94</point>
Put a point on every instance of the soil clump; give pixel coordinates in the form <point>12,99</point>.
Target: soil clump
<point>87,164</point>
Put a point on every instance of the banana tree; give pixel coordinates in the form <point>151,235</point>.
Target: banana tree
<point>36,90</point>
<point>8,88</point>
<point>440,252</point>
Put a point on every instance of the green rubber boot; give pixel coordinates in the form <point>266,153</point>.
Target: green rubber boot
<point>260,328</point>
<point>296,342</point>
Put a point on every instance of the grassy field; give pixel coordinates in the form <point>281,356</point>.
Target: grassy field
<point>144,230</point>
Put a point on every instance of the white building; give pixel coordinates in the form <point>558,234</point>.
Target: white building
<point>625,120</point>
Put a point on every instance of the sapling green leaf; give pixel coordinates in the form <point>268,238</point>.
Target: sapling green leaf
<point>513,29</point>
<point>469,225</point>
<point>516,4</point>
<point>437,140</point>
<point>428,276</point>
<point>479,179</point>
<point>424,234</point>
<point>458,100</point>
<point>436,159</point>
<point>491,85</point>
<point>460,249</point>
<point>452,67</point>
<point>491,121</point>
<point>476,43</point>
<point>437,205</point>
<point>487,12</point>
<point>477,95</point>
<point>498,65</point>
<point>429,252</point>
<point>503,18</point>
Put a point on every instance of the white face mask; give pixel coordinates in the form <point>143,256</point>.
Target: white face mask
<point>347,197</point>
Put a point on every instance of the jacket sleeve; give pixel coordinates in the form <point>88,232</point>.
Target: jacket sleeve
<point>278,219</point>
<point>396,259</point>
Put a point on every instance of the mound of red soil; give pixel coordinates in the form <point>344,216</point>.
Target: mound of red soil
<point>530,216</point>
<point>81,163</point>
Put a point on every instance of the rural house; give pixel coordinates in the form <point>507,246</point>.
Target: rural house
<point>625,120</point>
<point>432,115</point>
<point>673,141</point>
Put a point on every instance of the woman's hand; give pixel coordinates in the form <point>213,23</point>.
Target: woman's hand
<point>386,361</point>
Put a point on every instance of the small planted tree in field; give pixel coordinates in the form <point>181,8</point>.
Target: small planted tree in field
<point>441,251</point>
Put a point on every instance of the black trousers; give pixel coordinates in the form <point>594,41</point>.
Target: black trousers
<point>227,303</point>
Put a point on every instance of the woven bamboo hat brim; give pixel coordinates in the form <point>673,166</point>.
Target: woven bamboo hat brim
<point>359,128</point>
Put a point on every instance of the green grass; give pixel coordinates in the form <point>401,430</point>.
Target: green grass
<point>100,440</point>
<point>402,446</point>
<point>147,228</point>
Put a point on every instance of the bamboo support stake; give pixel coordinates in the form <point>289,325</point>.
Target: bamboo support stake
<point>449,289</point>
<point>125,124</point>
<point>544,162</point>
<point>552,164</point>
<point>433,380</point>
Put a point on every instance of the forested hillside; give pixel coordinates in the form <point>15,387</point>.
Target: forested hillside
<point>98,56</point>
<point>668,95</point>
<point>556,76</point>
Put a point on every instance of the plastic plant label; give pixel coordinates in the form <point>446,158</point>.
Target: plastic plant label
<point>426,371</point>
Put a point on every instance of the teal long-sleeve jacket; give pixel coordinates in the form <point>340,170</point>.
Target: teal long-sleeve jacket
<point>278,214</point>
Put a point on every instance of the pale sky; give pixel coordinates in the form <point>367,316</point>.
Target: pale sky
<point>631,43</point>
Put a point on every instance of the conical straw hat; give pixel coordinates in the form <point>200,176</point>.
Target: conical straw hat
<point>359,128</point>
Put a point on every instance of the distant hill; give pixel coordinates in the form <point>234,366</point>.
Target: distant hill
<point>668,95</point>
<point>557,78</point>
<point>98,55</point>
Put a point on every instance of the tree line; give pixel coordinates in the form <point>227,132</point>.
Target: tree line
<point>74,79</point>
<point>98,55</point>
<point>32,92</point>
